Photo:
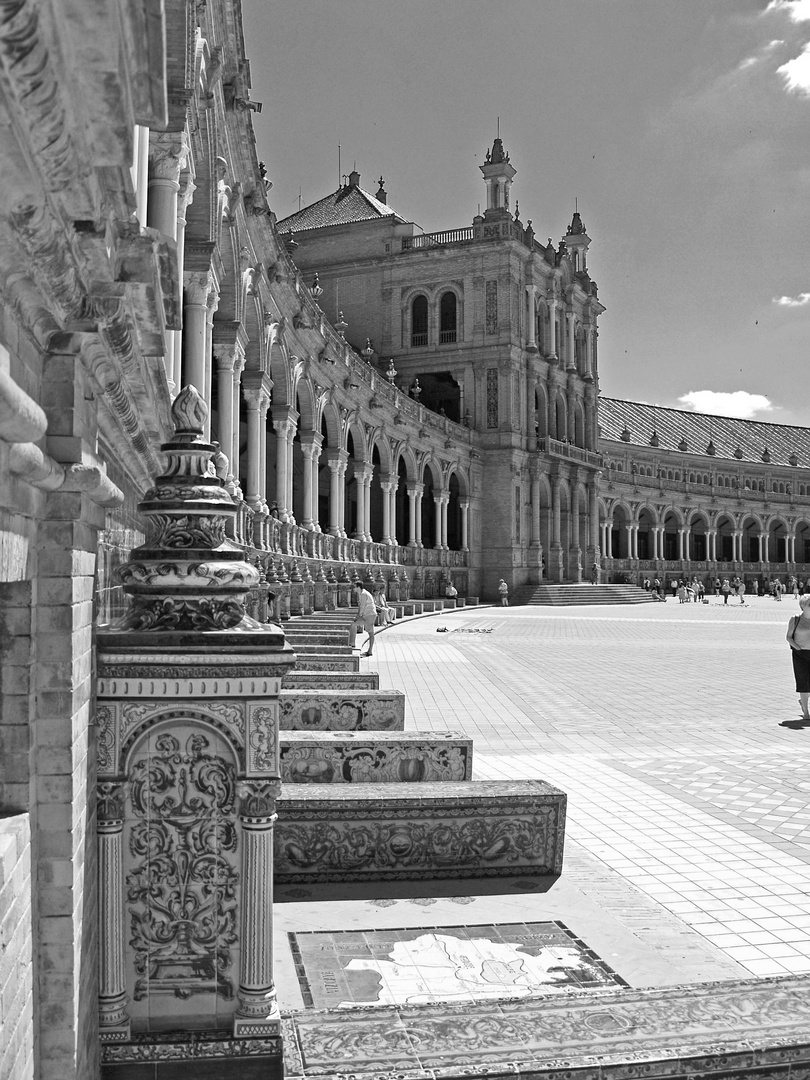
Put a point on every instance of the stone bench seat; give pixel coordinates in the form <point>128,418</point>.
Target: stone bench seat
<point>390,832</point>
<point>320,661</point>
<point>337,681</point>
<point>352,757</point>
<point>340,708</point>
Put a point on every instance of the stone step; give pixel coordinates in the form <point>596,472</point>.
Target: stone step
<point>554,595</point>
<point>335,707</point>
<point>337,681</point>
<point>297,637</point>
<point>379,832</point>
<point>313,647</point>
<point>328,662</point>
<point>351,757</point>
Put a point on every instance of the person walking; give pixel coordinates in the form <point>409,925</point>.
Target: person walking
<point>503,590</point>
<point>741,591</point>
<point>798,637</point>
<point>778,589</point>
<point>725,589</point>
<point>366,615</point>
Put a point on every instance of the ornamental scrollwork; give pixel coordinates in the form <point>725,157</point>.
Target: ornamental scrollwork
<point>105,738</point>
<point>181,890</point>
<point>185,532</point>
<point>168,613</point>
<point>262,739</point>
<point>111,800</point>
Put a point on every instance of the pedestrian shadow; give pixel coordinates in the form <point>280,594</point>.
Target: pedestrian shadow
<point>795,724</point>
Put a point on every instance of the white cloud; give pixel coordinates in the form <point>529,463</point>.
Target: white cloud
<point>797,10</point>
<point>738,403</point>
<point>796,72</point>
<point>802,300</point>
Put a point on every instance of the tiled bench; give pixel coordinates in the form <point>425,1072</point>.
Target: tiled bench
<point>378,832</point>
<point>351,757</point>
<point>338,681</point>
<point>336,708</point>
<point>343,661</point>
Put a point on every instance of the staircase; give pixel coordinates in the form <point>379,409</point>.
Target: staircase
<point>565,595</point>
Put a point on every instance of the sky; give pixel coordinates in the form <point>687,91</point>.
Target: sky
<point>681,129</point>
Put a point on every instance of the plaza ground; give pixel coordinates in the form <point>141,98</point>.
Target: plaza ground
<point>687,854</point>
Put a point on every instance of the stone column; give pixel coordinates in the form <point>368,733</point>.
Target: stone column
<point>464,506</point>
<point>790,549</point>
<point>186,196</point>
<point>411,489</point>
<point>229,358</point>
<point>535,496</point>
<point>258,401</point>
<point>213,304</point>
<point>682,543</point>
<point>571,362</point>
<point>362,476</point>
<point>112,996</point>
<point>336,461</point>
<point>420,490</point>
<point>283,427</point>
<point>764,552</point>
<point>389,505</point>
<point>552,329</point>
<point>311,448</point>
<point>168,151</point>
<point>258,1009</point>
<point>555,511</point>
<point>437,521</point>
<point>198,286</point>
<point>593,513</point>
<point>445,508</point>
<point>531,342</point>
<point>589,352</point>
<point>369,477</point>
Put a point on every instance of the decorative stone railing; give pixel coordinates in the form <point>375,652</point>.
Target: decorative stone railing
<point>558,448</point>
<point>449,236</point>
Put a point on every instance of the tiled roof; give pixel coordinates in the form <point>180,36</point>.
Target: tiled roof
<point>729,435</point>
<point>342,207</point>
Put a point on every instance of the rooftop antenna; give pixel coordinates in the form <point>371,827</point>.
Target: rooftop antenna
<point>576,207</point>
<point>499,127</point>
<point>299,196</point>
<point>338,164</point>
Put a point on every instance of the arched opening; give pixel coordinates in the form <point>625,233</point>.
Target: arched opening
<point>618,533</point>
<point>322,495</point>
<point>560,418</point>
<point>447,318</point>
<point>750,541</point>
<point>579,426</point>
<point>401,503</point>
<point>419,321</point>
<point>671,526</point>
<point>646,524</point>
<point>725,540</point>
<point>428,510</point>
<point>376,497</point>
<point>802,543</point>
<point>441,394</point>
<point>540,413</point>
<point>454,516</point>
<point>777,542</point>
<point>350,492</point>
<point>697,540</point>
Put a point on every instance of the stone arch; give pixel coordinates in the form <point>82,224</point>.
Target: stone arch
<point>619,518</point>
<point>455,469</point>
<point>801,532</point>
<point>724,544</point>
<point>540,410</point>
<point>697,544</point>
<point>647,519</point>
<point>751,528</point>
<point>778,532</point>
<point>560,418</point>
<point>579,424</point>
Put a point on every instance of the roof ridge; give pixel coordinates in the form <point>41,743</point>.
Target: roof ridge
<point>708,416</point>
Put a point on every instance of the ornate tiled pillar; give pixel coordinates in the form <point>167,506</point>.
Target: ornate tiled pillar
<point>112,988</point>
<point>187,716</point>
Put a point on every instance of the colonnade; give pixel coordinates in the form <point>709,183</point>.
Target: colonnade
<point>685,539</point>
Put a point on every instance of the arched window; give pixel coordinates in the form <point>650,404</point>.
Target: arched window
<point>447,318</point>
<point>419,321</point>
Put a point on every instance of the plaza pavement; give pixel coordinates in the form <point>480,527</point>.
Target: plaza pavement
<point>688,837</point>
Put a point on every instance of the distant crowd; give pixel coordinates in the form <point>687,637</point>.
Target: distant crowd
<point>696,591</point>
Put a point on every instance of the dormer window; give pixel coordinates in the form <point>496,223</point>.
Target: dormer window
<point>419,322</point>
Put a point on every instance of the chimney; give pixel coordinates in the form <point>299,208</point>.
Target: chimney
<point>354,178</point>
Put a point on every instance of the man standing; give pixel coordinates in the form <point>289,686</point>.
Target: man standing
<point>366,615</point>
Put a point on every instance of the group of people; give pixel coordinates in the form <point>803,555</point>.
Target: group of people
<point>686,590</point>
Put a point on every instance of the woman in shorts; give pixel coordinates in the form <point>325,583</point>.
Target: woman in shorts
<point>798,637</point>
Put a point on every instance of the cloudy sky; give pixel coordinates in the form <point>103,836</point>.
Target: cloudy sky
<point>681,128</point>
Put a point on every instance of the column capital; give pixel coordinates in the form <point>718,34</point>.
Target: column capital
<point>284,414</point>
<point>168,153</point>
<point>311,443</point>
<point>256,398</point>
<point>363,470</point>
<point>198,285</point>
<point>110,806</point>
<point>257,799</point>
<point>415,489</point>
<point>229,357</point>
<point>334,457</point>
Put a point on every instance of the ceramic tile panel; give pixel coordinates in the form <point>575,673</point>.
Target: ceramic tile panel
<point>373,832</point>
<point>342,710</point>
<point>333,680</point>
<point>349,757</point>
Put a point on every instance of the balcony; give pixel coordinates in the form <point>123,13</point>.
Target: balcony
<point>418,341</point>
<point>557,448</point>
<point>437,239</point>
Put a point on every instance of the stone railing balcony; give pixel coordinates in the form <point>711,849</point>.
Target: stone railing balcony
<point>426,240</point>
<point>558,448</point>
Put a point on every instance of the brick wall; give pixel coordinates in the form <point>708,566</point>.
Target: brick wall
<point>16,979</point>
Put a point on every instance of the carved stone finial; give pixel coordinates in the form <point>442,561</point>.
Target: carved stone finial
<point>189,411</point>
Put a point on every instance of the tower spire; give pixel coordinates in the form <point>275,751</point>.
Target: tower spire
<point>498,175</point>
